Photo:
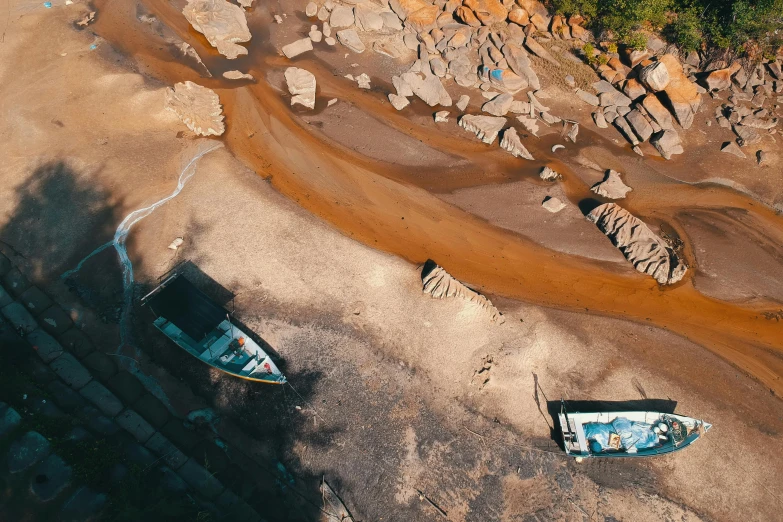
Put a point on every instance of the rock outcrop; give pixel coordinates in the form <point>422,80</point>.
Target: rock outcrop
<point>486,128</point>
<point>612,186</point>
<point>440,284</point>
<point>647,252</point>
<point>301,85</point>
<point>198,107</point>
<point>222,23</point>
<point>513,144</point>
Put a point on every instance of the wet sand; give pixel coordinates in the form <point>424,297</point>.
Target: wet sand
<point>392,207</point>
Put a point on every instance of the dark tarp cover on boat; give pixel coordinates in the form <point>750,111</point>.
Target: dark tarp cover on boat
<point>188,308</point>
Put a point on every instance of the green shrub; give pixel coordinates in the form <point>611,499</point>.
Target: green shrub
<point>685,30</point>
<point>636,41</point>
<point>586,8</point>
<point>612,48</point>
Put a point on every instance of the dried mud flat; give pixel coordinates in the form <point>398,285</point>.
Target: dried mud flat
<point>391,404</point>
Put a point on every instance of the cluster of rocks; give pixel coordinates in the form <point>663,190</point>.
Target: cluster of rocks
<point>440,284</point>
<point>753,104</point>
<point>644,96</point>
<point>647,252</point>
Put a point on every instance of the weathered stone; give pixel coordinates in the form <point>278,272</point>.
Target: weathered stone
<point>27,451</point>
<point>428,88</point>
<point>613,97</point>
<point>499,105</point>
<point>539,50</point>
<point>222,23</point>
<point>747,135</point>
<point>297,47</point>
<point>198,107</point>
<point>633,89</point>
<point>519,16</point>
<point>44,345</point>
<point>311,9</point>
<point>134,424</point>
<point>35,300</point>
<point>588,98</point>
<point>200,479</point>
<point>519,62</point>
<point>153,410</point>
<point>612,186</point>
<point>463,102</point>
<point>486,128</point>
<point>641,127</point>
<point>655,76</point>
<point>625,129</point>
<point>553,205</point>
<point>599,119</point>
<point>96,421</point>
<point>547,174</point>
<point>350,39</point>
<point>9,419</point>
<point>71,371</point>
<point>55,320</point>
<point>65,397</point>
<point>658,113</point>
<point>423,20</point>
<point>15,282</point>
<point>667,142</point>
<point>102,398</point>
<point>101,365</point>
<point>84,504</point>
<point>19,317</point>
<point>732,148</point>
<point>391,22</point>
<point>398,102</point>
<point>647,252</point>
<point>440,284</point>
<point>342,16</point>
<point>489,12</point>
<point>513,144</point>
<point>301,85</point>
<point>136,454</point>
<point>441,116</point>
<point>168,452</point>
<point>125,386</point>
<point>467,16</point>
<point>50,478</point>
<point>530,124</point>
<point>720,79</point>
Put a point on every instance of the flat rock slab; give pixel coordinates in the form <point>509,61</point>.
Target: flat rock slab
<point>44,345</point>
<point>50,477</point>
<point>126,386</point>
<point>171,481</point>
<point>15,282</point>
<point>71,371</point>
<point>77,342</point>
<point>102,398</point>
<point>55,320</point>
<point>139,455</point>
<point>163,448</point>
<point>26,451</point>
<point>65,397</point>
<point>134,424</point>
<point>83,505</point>
<point>9,419</point>
<point>298,47</point>
<point>200,479</point>
<point>35,300</point>
<point>5,298</point>
<point>101,365</point>
<point>19,317</point>
<point>153,410</point>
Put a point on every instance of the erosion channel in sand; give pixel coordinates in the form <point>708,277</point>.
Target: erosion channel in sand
<point>396,209</point>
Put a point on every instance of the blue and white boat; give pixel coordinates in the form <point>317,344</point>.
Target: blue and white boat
<point>627,433</point>
<point>204,329</point>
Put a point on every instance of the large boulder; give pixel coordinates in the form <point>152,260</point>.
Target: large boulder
<point>681,94</point>
<point>539,50</point>
<point>513,144</point>
<point>720,79</point>
<point>428,87</point>
<point>647,252</point>
<point>440,284</point>
<point>198,107</point>
<point>487,11</point>
<point>222,23</point>
<point>612,186</point>
<point>658,113</point>
<point>499,105</point>
<point>350,39</point>
<point>655,76</point>
<point>507,80</point>
<point>667,142</point>
<point>486,128</point>
<point>641,127</point>
<point>519,62</point>
<point>301,85</point>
